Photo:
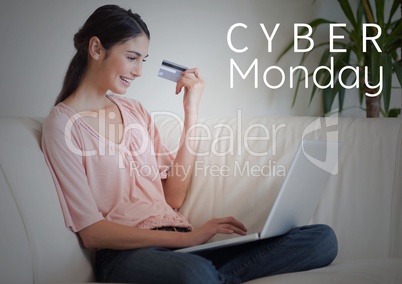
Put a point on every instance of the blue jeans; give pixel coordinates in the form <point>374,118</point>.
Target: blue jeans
<point>303,248</point>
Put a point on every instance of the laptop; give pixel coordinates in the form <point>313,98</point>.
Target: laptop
<point>300,193</point>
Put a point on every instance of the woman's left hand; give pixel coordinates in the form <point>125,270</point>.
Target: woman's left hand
<point>193,85</point>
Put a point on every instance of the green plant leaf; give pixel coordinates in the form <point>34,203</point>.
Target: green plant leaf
<point>387,83</point>
<point>395,112</point>
<point>368,11</point>
<point>341,90</point>
<point>323,61</point>
<point>392,44</point>
<point>361,96</point>
<point>328,99</point>
<point>347,10</point>
<point>395,33</point>
<point>297,88</point>
<point>394,8</point>
<point>379,7</point>
<point>359,17</point>
<point>398,72</point>
<point>341,99</point>
<point>375,63</point>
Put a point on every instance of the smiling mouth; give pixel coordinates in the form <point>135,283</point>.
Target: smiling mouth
<point>126,81</point>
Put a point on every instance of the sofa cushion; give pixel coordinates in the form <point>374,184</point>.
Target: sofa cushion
<point>356,271</point>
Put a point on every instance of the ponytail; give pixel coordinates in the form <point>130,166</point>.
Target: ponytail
<point>73,77</point>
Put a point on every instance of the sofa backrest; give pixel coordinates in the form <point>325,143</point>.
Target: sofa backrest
<point>35,245</point>
<point>241,169</point>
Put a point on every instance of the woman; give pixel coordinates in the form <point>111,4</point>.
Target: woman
<point>90,141</point>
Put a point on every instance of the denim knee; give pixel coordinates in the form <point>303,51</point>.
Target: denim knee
<point>325,243</point>
<point>333,242</point>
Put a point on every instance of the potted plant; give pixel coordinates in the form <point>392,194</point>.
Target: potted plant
<point>389,42</point>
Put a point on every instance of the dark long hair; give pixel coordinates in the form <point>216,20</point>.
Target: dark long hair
<point>112,25</point>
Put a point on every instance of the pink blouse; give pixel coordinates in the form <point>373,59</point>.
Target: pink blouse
<point>97,179</point>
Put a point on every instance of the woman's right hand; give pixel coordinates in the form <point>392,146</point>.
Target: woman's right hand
<point>226,225</point>
<point>193,85</point>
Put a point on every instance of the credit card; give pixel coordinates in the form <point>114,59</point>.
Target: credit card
<point>171,71</point>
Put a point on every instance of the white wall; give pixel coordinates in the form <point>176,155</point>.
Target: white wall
<point>37,46</point>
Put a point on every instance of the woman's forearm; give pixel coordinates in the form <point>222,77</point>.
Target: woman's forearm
<point>179,177</point>
<point>106,234</point>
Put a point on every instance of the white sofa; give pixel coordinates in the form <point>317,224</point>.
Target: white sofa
<point>363,203</point>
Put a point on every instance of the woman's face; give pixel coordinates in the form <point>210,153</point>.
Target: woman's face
<point>123,64</point>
